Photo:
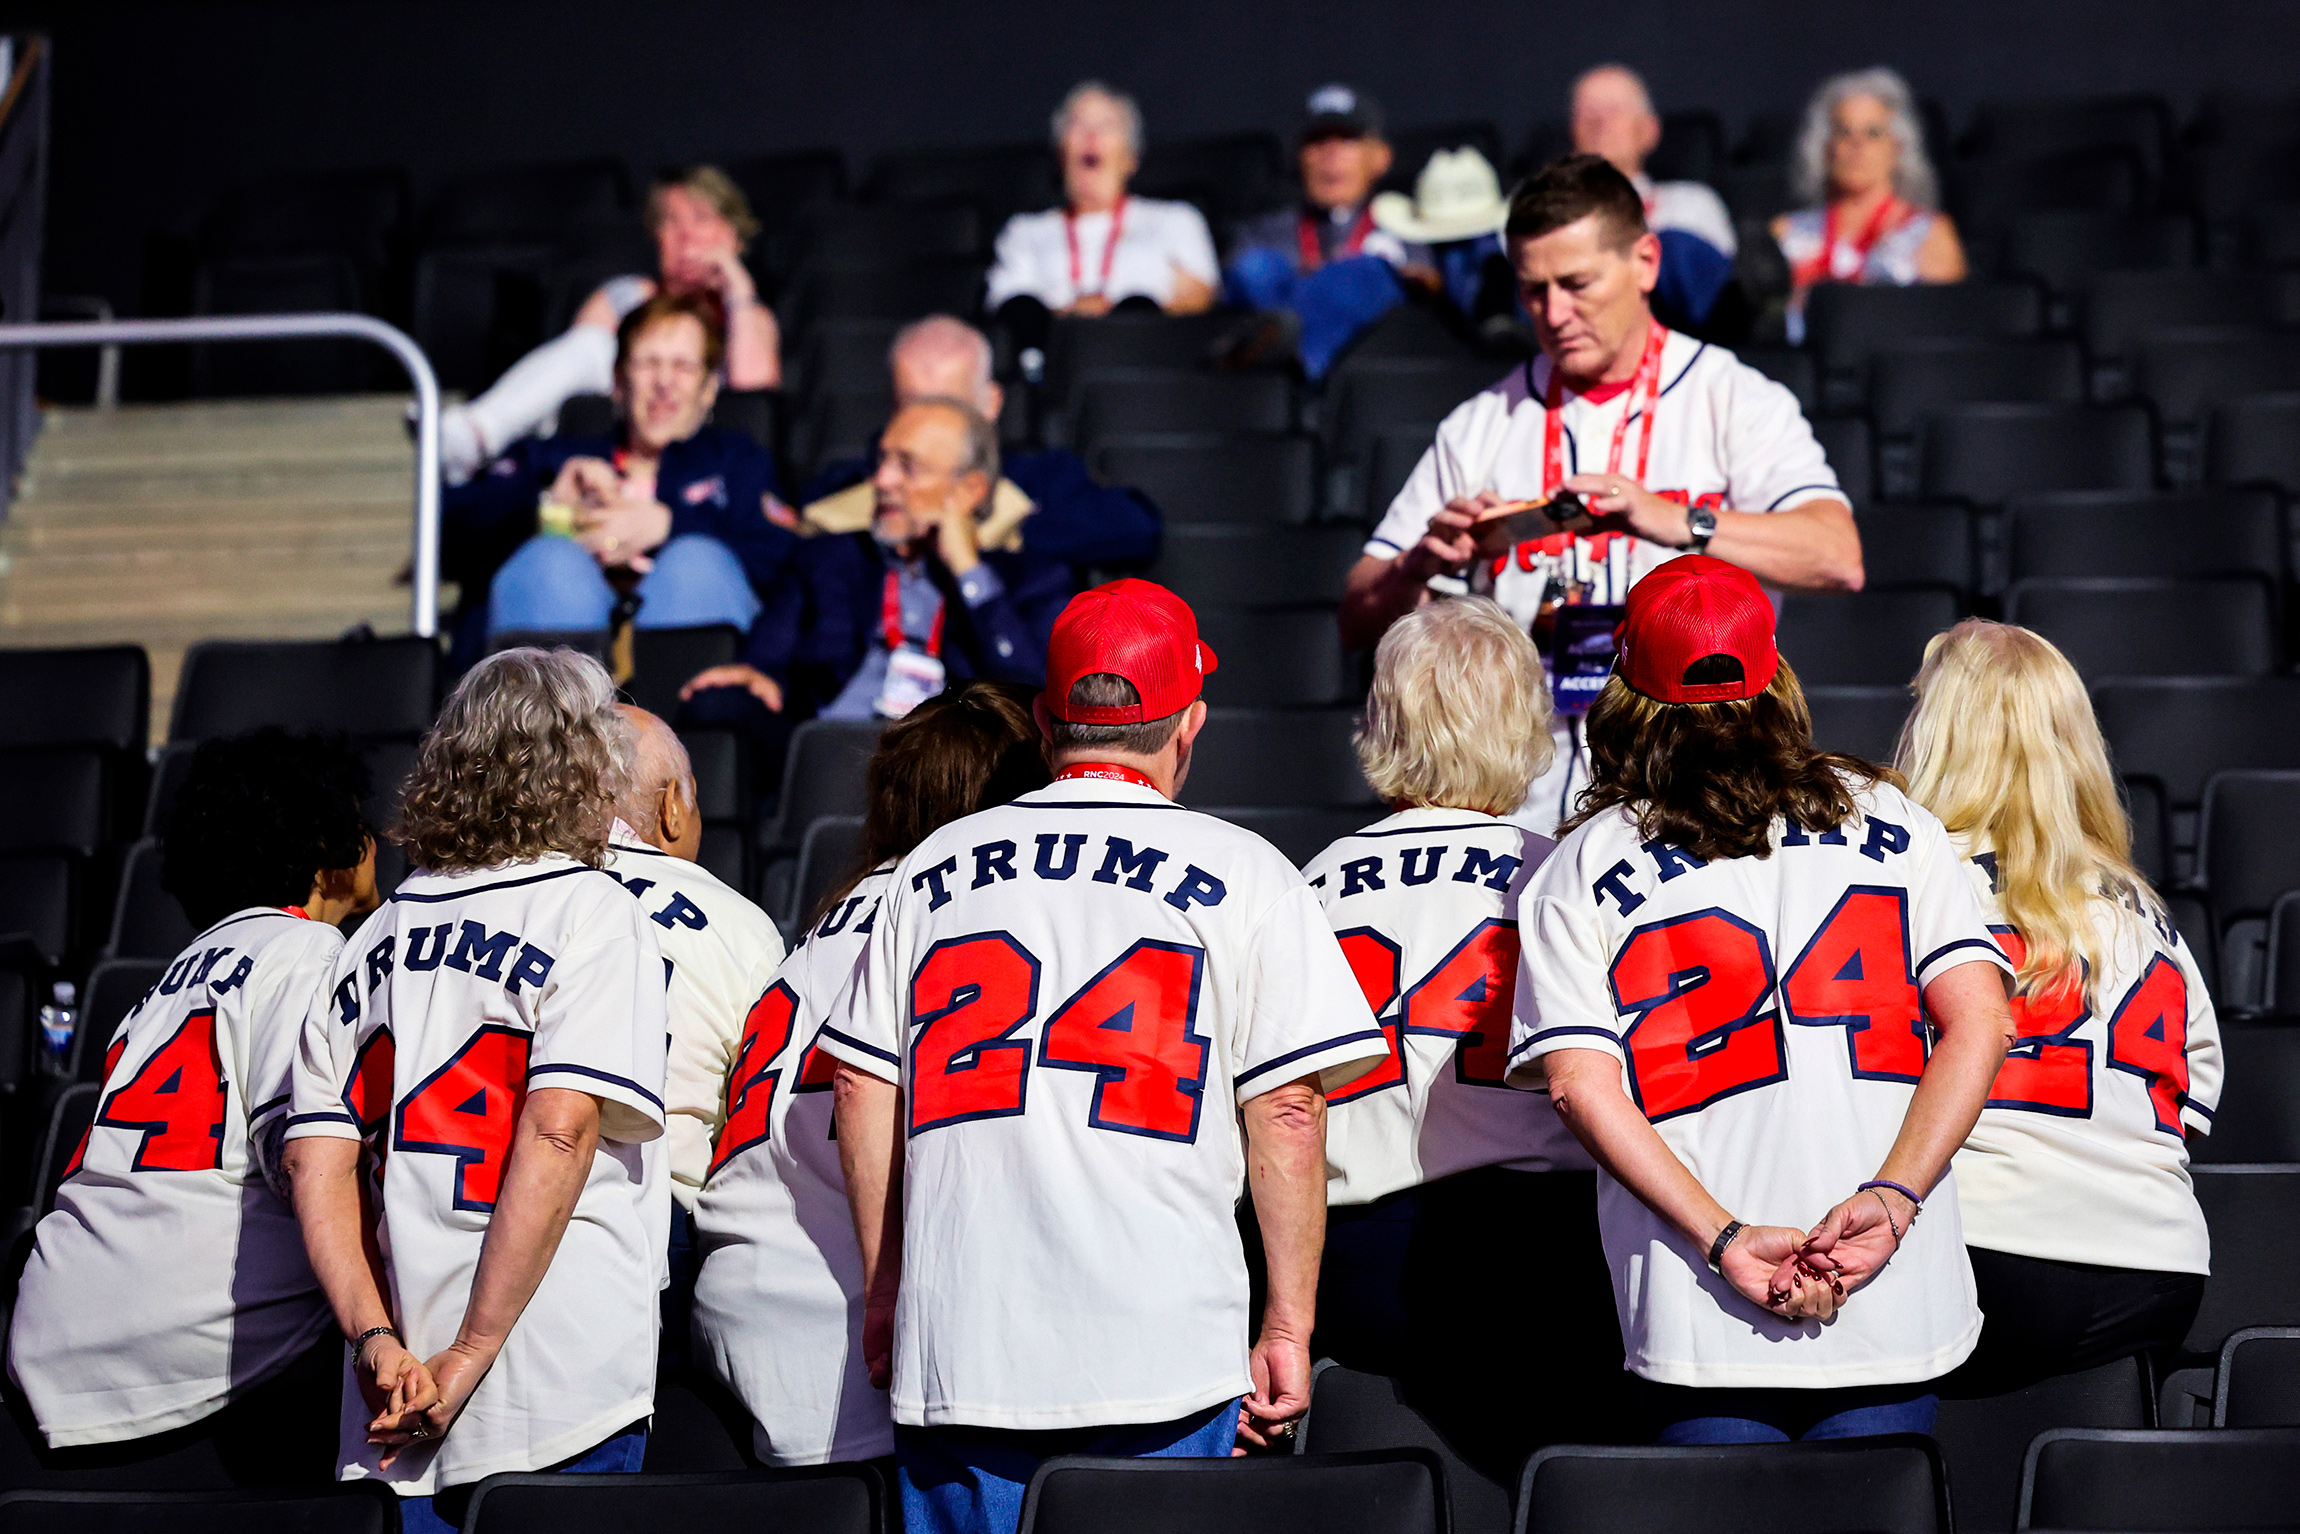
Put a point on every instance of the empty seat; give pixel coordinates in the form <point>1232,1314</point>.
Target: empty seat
<point>2152,845</point>
<point>2248,854</point>
<point>350,1507</point>
<point>97,696</point>
<point>2119,307</point>
<point>1861,639</point>
<point>722,772</point>
<point>528,202</point>
<point>2222,181</point>
<point>848,356</point>
<point>1078,348</point>
<point>822,775</point>
<point>1381,1491</point>
<point>2138,121</point>
<point>1860,721</point>
<point>361,214</point>
<point>894,234</point>
<point>699,1425</point>
<point>1366,397</point>
<point>2079,533</point>
<point>841,424</point>
<point>1352,1410</point>
<point>2182,730</point>
<point>2259,1379</point>
<point>358,686</point>
<point>826,856</point>
<point>2254,1215</point>
<point>37,895</point>
<point>1918,544</point>
<point>147,921</point>
<point>1851,450</point>
<point>16,1029</point>
<point>1211,567</point>
<point>999,179</point>
<point>2271,235</point>
<point>2186,370</point>
<point>1790,367</point>
<point>70,1112</point>
<point>1896,1480</point>
<point>1988,195</point>
<point>1691,148</point>
<point>1989,453</point>
<point>1397,452</point>
<point>1301,834</point>
<point>663,660</point>
<point>830,292</point>
<point>1197,477</point>
<point>2258,1116</point>
<point>114,988</point>
<point>1276,658</point>
<point>61,797</point>
<point>1258,758</point>
<point>821,1499</point>
<point>2281,993</point>
<point>2063,249</point>
<point>1982,1436</point>
<point>1908,382</point>
<point>1130,400</point>
<point>2255,440</point>
<point>1228,175</point>
<point>782,187</point>
<point>2160,1479</point>
<point>315,283</point>
<point>2218,627</point>
<point>1848,323</point>
<point>476,311</point>
<point>1412,332</point>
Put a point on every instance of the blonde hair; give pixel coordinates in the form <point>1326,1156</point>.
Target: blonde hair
<point>716,190</point>
<point>2004,748</point>
<point>1459,712</point>
<point>527,758</point>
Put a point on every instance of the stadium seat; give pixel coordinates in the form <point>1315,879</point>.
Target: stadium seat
<point>2181,730</point>
<point>997,179</point>
<point>2254,1215</point>
<point>2223,181</point>
<point>362,214</point>
<point>98,696</point>
<point>826,855</point>
<point>2164,1479</point>
<point>2258,1381</point>
<point>2143,628</point>
<point>2280,993</point>
<point>890,234</point>
<point>842,356</point>
<point>1228,175</point>
<point>1354,1412</point>
<point>721,760</point>
<point>2270,236</point>
<point>587,415</point>
<point>1896,1480</point>
<point>1790,367</point>
<point>2185,370</point>
<point>527,202</point>
<point>2063,249</point>
<point>1849,323</point>
<point>2194,923</point>
<point>781,188</point>
<point>62,797</point>
<point>1078,349</point>
<point>312,283</point>
<point>820,1499</point>
<point>1381,1491</point>
<point>1397,452</point>
<point>1848,445</point>
<point>1861,721</point>
<point>1212,567</point>
<point>2117,308</point>
<point>1982,1437</point>
<point>1758,192</point>
<point>70,1112</point>
<point>755,413</point>
<point>349,1507</point>
<point>1195,477</point>
<point>2101,533</point>
<point>699,1426</point>
<point>2015,129</point>
<point>1411,148</point>
<point>16,1030</point>
<point>839,425</point>
<point>817,291</point>
<point>662,661</point>
<point>822,775</point>
<point>361,686</point>
<point>1301,834</point>
<point>476,311</point>
<point>1412,332</point>
<point>1276,658</point>
<point>2248,854</point>
<point>1989,195</point>
<point>1916,543</point>
<point>1861,639</point>
<point>1906,383</point>
<point>2151,821</point>
<point>147,923</point>
<point>1692,146</point>
<point>1364,397</point>
<point>1123,401</point>
<point>2258,1117</point>
<point>1988,453</point>
<point>113,990</point>
<point>37,902</point>
<point>1258,758</point>
<point>2255,440</point>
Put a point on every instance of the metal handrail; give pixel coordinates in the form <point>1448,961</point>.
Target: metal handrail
<point>279,327</point>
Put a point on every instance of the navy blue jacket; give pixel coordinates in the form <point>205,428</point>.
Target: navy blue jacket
<point>1078,521</point>
<point>825,613</point>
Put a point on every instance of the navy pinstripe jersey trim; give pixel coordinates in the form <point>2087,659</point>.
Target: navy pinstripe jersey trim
<point>1561,1031</point>
<point>1836,492</point>
<point>322,1118</point>
<point>1963,942</point>
<point>1090,804</point>
<point>606,1076</point>
<point>1467,825</point>
<point>872,1050</point>
<point>1311,1049</point>
<point>2198,1107</point>
<point>489,889</point>
<point>273,1106</point>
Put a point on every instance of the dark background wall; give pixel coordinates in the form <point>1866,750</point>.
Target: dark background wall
<point>158,106</point>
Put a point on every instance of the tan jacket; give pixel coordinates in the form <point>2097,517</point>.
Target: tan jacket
<point>849,511</point>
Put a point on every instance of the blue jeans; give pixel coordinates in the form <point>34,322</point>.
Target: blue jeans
<point>1337,303</point>
<point>970,1480</point>
<point>552,583</point>
<point>1689,1416</point>
<point>620,1455</point>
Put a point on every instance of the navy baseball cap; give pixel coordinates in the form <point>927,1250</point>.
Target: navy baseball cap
<point>1341,111</point>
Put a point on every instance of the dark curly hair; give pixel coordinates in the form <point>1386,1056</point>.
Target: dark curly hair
<point>257,818</point>
<point>1712,777</point>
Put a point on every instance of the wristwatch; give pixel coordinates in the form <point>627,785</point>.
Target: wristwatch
<point>1700,526</point>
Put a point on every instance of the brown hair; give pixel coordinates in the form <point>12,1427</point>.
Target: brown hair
<point>1712,777</point>
<point>957,753</point>
<point>1569,190</point>
<point>526,759</point>
<point>702,308</point>
<point>715,188</point>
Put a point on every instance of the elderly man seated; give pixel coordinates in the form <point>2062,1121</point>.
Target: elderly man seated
<point>668,511</point>
<point>872,622</point>
<point>1613,118</point>
<point>1051,504</point>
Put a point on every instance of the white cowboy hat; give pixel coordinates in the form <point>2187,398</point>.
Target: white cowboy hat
<point>1456,197</point>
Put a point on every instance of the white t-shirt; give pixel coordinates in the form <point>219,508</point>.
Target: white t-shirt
<point>1724,436</point>
<point>171,1276</point>
<point>719,950</point>
<point>463,993</point>
<point>1689,206</point>
<point>1075,990</point>
<point>1768,1015</point>
<point>778,1305</point>
<point>2079,1156</point>
<point>1424,905</point>
<point>1156,238</point>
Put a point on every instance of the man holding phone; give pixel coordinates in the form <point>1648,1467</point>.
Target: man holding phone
<point>1666,444</point>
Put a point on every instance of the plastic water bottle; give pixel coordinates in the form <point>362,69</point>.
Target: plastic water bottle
<point>59,1020</point>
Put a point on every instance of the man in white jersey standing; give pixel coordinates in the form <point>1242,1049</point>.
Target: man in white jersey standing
<point>1063,1001</point>
<point>1673,445</point>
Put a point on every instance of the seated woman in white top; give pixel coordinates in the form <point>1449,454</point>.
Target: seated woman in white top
<point>1873,216</point>
<point>1103,248</point>
<point>2087,1242</point>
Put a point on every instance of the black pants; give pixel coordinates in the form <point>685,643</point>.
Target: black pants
<point>1487,1296</point>
<point>2045,1318</point>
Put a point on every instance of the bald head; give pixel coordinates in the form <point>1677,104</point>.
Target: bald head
<point>946,357</point>
<point>1613,116</point>
<point>659,804</point>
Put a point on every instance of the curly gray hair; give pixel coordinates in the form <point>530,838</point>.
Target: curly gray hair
<point>1913,177</point>
<point>1459,712</point>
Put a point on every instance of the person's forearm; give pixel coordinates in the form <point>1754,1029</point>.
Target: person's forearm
<point>1814,545</point>
<point>1286,1169</point>
<point>1379,593</point>
<point>543,1176</point>
<point>1968,1004</point>
<point>338,1237</point>
<point>1585,1087</point>
<point>753,359</point>
<point>868,1111</point>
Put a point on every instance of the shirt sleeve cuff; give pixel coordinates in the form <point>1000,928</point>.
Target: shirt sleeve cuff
<point>628,1112</point>
<point>863,1056</point>
<point>1335,1062</point>
<point>1963,951</point>
<point>1525,1057</point>
<point>2197,1117</point>
<point>322,1126</point>
<point>980,585</point>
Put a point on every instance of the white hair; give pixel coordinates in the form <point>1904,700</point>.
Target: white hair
<point>1459,712</point>
<point>1126,109</point>
<point>1631,75</point>
<point>943,334</point>
<point>1913,178</point>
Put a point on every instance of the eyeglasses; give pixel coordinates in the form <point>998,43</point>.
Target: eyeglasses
<point>682,368</point>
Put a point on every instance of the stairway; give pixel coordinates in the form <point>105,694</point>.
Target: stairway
<point>164,525</point>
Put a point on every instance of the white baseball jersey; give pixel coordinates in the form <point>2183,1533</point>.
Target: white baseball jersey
<point>1075,990</point>
<point>1768,1016</point>
<point>1724,436</point>
<point>2080,1154</point>
<point>1424,905</point>
<point>778,1304</point>
<point>1036,254</point>
<point>171,1275</point>
<point>465,992</point>
<point>719,951</point>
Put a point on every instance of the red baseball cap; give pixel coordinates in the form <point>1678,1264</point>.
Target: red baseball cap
<point>1135,629</point>
<point>1687,611</point>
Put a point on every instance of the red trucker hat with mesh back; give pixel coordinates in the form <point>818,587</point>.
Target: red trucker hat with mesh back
<point>1135,629</point>
<point>1688,610</point>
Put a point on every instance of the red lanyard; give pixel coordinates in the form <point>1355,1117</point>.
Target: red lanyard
<point>1823,267</point>
<point>890,619</point>
<point>1110,771</point>
<point>1646,382</point>
<point>296,911</point>
<point>1352,243</point>
<point>1109,250</point>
